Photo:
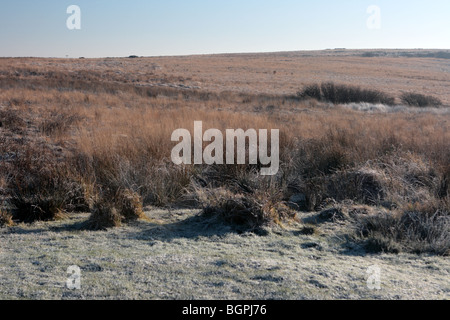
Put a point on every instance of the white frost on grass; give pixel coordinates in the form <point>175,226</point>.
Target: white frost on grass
<point>381,108</point>
<point>174,256</point>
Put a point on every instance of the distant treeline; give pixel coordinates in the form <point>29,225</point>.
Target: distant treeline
<point>438,54</point>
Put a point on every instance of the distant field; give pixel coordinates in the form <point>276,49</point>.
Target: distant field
<point>277,73</point>
<point>85,149</point>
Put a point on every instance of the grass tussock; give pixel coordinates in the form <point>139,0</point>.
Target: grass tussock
<point>414,231</point>
<point>420,100</point>
<point>11,119</point>
<point>104,215</point>
<point>58,123</point>
<point>111,209</point>
<point>6,219</point>
<point>390,181</point>
<point>342,94</point>
<point>40,186</point>
<point>246,212</point>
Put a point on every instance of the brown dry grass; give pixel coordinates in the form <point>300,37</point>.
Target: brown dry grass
<point>252,73</point>
<point>105,125</point>
<point>6,219</point>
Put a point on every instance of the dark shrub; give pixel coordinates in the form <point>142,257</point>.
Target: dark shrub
<point>337,94</point>
<point>311,92</point>
<point>420,100</point>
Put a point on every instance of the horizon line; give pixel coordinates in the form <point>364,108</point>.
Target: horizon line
<point>218,53</point>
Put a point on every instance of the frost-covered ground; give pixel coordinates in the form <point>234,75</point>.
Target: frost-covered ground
<point>381,108</point>
<point>178,255</point>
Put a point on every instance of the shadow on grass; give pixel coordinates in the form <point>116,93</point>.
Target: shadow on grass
<point>67,226</point>
<point>190,226</point>
<point>193,227</point>
<point>196,227</point>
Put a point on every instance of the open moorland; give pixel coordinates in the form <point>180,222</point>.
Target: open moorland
<point>87,180</point>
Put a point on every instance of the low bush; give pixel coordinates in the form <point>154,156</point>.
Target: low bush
<point>341,94</point>
<point>420,100</point>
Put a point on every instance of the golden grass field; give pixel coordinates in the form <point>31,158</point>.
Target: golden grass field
<point>93,136</point>
<point>279,73</point>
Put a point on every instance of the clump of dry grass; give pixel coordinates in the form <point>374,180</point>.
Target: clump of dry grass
<point>104,215</point>
<point>420,100</point>
<point>111,209</point>
<point>130,205</point>
<point>166,183</point>
<point>11,119</point>
<point>40,182</point>
<point>58,124</point>
<point>361,185</point>
<point>420,219</point>
<point>6,218</point>
<point>39,205</point>
<point>394,180</point>
<point>341,94</point>
<point>410,231</point>
<point>406,178</point>
<point>39,185</point>
<point>245,212</point>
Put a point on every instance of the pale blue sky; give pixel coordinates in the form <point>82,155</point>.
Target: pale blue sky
<point>175,27</point>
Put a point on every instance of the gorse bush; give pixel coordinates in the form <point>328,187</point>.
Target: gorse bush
<point>420,100</point>
<point>340,94</point>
